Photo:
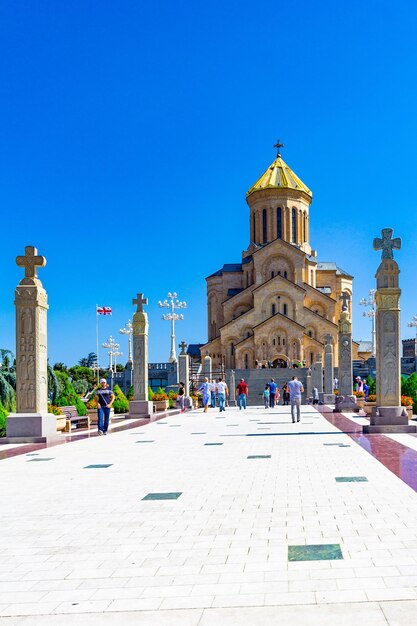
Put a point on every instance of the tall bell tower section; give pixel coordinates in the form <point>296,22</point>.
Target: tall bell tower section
<point>279,204</point>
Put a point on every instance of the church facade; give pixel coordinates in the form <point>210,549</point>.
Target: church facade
<point>279,302</point>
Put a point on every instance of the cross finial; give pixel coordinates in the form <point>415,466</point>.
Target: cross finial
<point>140,301</point>
<point>278,145</point>
<point>31,261</point>
<point>386,244</point>
<point>183,346</point>
<point>345,297</point>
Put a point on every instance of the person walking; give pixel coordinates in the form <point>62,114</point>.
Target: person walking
<point>296,389</point>
<point>205,387</point>
<point>285,395</point>
<point>105,398</point>
<point>242,394</point>
<point>181,397</point>
<point>315,395</point>
<point>222,394</point>
<point>266,396</point>
<point>213,394</point>
<point>272,392</point>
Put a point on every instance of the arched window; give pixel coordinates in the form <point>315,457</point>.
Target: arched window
<point>279,222</point>
<point>305,226</point>
<point>273,309</point>
<point>284,309</point>
<point>254,227</point>
<point>279,340</point>
<point>232,349</point>
<point>311,358</point>
<point>264,226</point>
<point>246,361</point>
<point>272,274</point>
<point>294,225</point>
<point>285,273</point>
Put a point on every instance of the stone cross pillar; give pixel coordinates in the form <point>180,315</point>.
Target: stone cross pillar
<point>184,367</point>
<point>140,406</point>
<point>317,374</point>
<point>232,388</point>
<point>388,415</point>
<point>328,365</point>
<point>31,422</point>
<point>207,368</point>
<point>346,401</point>
<point>309,388</point>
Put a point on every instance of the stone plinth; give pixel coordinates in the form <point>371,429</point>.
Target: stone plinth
<point>140,408</point>
<point>30,428</point>
<point>326,398</point>
<point>184,369</point>
<point>345,404</point>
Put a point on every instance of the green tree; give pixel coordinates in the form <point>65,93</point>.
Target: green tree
<point>121,403</point>
<point>371,384</point>
<point>89,360</point>
<point>409,388</point>
<point>3,415</point>
<point>81,372</point>
<point>7,394</point>
<point>60,367</point>
<point>67,394</point>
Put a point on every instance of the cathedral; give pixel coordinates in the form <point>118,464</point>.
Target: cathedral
<point>278,304</point>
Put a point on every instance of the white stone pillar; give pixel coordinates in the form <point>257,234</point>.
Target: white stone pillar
<point>31,422</point>
<point>140,406</point>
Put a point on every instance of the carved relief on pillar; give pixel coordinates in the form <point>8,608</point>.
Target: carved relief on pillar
<point>388,300</point>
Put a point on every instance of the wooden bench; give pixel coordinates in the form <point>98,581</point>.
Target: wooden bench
<point>72,417</point>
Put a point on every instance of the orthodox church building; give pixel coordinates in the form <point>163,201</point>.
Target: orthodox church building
<point>277,305</point>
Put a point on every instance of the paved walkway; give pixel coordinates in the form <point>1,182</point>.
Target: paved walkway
<point>207,519</point>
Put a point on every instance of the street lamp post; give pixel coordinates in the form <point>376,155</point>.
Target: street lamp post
<point>113,352</point>
<point>412,324</point>
<point>128,330</point>
<point>172,303</point>
<point>370,302</point>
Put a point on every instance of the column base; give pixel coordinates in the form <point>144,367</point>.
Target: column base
<point>327,398</point>
<point>345,404</point>
<point>389,419</point>
<point>140,408</point>
<point>30,428</point>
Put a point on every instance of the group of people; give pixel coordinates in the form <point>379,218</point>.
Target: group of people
<point>361,385</point>
<point>291,395</point>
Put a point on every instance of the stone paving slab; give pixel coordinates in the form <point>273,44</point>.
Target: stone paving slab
<point>83,541</point>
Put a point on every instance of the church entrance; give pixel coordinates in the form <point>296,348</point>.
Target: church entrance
<point>279,363</point>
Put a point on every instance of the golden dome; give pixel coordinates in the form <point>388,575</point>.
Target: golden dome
<point>279,176</point>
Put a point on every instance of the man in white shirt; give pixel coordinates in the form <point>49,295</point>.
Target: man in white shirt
<point>222,393</point>
<point>296,389</point>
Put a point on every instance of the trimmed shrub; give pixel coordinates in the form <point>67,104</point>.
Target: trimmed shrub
<point>67,395</point>
<point>7,395</point>
<point>121,403</point>
<point>130,393</point>
<point>3,415</point>
<point>150,394</point>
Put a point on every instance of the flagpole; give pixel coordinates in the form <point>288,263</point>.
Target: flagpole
<point>98,365</point>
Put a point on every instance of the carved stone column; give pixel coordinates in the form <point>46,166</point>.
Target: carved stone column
<point>388,416</point>
<point>345,401</point>
<point>31,422</point>
<point>140,406</point>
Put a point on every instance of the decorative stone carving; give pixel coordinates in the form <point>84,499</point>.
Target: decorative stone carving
<point>140,406</point>
<point>388,415</point>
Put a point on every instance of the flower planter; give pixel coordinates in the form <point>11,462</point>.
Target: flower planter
<point>61,422</point>
<point>368,406</point>
<point>160,405</point>
<point>360,402</point>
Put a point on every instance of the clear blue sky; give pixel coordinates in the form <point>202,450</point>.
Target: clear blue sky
<point>130,132</point>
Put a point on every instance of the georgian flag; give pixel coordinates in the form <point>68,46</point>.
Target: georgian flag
<point>104,310</point>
